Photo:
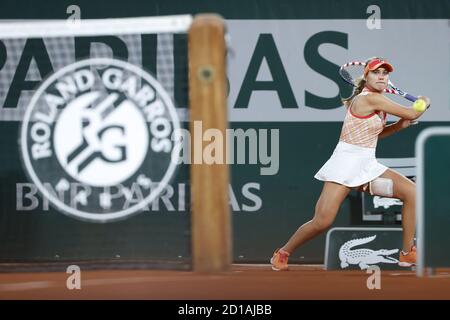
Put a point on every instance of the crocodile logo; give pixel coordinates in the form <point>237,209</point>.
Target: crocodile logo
<point>364,257</point>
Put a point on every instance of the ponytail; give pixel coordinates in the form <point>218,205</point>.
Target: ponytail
<point>361,83</point>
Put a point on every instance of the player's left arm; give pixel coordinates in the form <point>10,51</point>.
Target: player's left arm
<point>394,128</point>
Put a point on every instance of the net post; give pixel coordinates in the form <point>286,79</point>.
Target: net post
<point>210,214</point>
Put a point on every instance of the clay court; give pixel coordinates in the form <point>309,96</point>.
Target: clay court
<point>243,282</point>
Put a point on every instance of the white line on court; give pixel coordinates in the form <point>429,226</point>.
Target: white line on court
<point>23,286</point>
<point>35,285</point>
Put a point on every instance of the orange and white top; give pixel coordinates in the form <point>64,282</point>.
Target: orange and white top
<point>362,131</point>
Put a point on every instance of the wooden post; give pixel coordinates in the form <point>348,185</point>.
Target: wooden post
<point>210,214</point>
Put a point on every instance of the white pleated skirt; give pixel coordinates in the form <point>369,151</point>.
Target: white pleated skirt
<point>351,165</point>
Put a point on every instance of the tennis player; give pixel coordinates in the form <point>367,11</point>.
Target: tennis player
<point>353,164</point>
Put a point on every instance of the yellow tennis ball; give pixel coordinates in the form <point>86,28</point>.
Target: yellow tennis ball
<point>420,105</point>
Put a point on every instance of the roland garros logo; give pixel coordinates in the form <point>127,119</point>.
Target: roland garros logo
<point>97,139</point>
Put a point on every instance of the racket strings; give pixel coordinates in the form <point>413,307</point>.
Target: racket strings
<point>352,73</point>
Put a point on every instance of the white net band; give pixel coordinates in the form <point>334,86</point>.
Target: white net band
<point>31,50</point>
<point>94,27</point>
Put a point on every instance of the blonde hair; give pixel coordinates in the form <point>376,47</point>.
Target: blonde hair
<point>360,83</point>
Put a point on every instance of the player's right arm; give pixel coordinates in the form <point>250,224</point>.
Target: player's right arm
<point>382,103</point>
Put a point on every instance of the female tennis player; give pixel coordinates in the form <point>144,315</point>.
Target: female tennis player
<point>353,164</point>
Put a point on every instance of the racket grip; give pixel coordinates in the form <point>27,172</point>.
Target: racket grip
<point>410,97</point>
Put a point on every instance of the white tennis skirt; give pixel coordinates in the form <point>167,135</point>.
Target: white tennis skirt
<point>351,165</point>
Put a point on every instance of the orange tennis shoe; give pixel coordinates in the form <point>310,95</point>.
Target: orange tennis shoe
<point>279,260</point>
<point>408,259</point>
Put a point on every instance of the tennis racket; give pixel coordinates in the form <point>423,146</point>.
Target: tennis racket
<point>351,71</point>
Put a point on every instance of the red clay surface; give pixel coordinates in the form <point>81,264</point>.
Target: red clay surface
<point>243,282</point>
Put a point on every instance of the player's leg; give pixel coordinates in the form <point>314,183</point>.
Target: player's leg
<point>325,212</point>
<point>405,190</point>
